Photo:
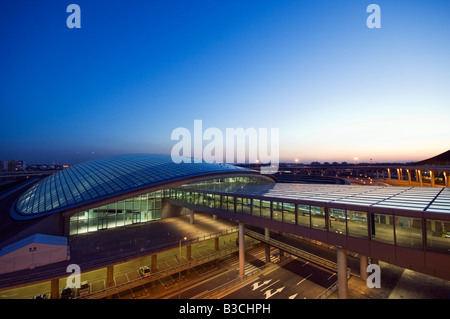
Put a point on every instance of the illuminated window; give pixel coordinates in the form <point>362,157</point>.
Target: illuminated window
<point>289,213</point>
<point>303,216</point>
<point>135,210</point>
<point>337,221</point>
<point>408,232</point>
<point>265,209</point>
<point>247,206</point>
<point>383,228</point>
<point>318,217</point>
<point>256,210</point>
<point>357,224</point>
<point>217,201</point>
<point>438,235</point>
<point>238,205</point>
<point>277,211</point>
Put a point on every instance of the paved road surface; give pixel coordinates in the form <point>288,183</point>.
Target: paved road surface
<point>294,280</point>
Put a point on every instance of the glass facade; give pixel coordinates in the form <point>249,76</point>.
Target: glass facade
<point>226,181</point>
<point>208,200</point>
<point>438,235</point>
<point>318,217</point>
<point>337,221</point>
<point>266,209</point>
<point>303,216</point>
<point>256,208</point>
<point>239,205</point>
<point>357,225</point>
<point>140,209</point>
<point>277,211</point>
<point>228,203</point>
<point>247,206</point>
<point>408,232</point>
<point>217,201</point>
<point>383,228</point>
<point>289,213</point>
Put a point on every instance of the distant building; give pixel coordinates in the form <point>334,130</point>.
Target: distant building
<point>438,160</point>
<point>20,166</point>
<point>12,166</point>
<point>9,165</point>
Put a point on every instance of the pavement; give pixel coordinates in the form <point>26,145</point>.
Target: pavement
<point>399,283</point>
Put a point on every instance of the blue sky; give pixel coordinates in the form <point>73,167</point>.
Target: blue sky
<point>136,70</point>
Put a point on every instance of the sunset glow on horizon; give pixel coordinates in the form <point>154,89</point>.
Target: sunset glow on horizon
<point>134,72</point>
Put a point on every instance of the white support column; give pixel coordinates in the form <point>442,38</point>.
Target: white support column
<point>409,176</point>
<point>363,267</point>
<point>267,233</point>
<point>241,250</point>
<point>342,273</point>
<point>191,217</point>
<point>446,179</point>
<point>389,173</point>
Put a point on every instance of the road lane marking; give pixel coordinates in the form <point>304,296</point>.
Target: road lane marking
<point>270,285</point>
<point>268,293</point>
<point>257,284</point>
<point>304,279</point>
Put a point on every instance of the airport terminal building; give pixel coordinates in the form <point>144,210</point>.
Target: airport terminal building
<point>117,191</point>
<point>406,226</point>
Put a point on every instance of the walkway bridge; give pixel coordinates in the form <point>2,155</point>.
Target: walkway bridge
<point>404,226</point>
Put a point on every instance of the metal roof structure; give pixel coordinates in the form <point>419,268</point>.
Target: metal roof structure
<point>102,178</point>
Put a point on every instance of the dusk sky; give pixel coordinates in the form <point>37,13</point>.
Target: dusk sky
<point>137,70</point>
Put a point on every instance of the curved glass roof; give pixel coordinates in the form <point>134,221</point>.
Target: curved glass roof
<point>98,179</point>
